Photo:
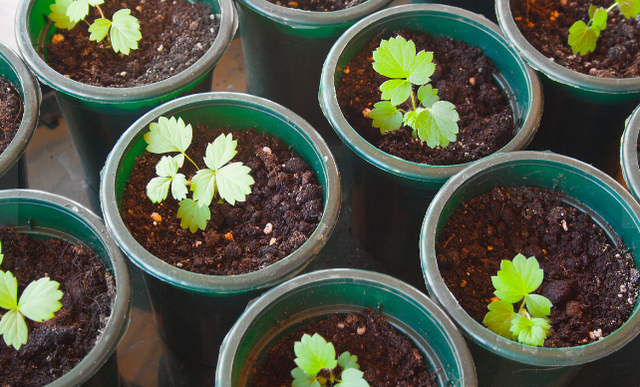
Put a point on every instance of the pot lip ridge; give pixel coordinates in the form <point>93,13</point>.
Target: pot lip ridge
<point>120,314</point>
<point>220,284</point>
<point>553,70</point>
<point>227,21</point>
<point>538,356</point>
<point>394,165</point>
<point>629,153</point>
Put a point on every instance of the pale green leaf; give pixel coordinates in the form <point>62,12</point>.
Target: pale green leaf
<point>438,125</point>
<point>192,215</point>
<point>59,14</point>
<point>302,379</point>
<point>13,329</point>
<point>600,19</point>
<point>396,90</point>
<point>234,182</point>
<point>168,135</point>
<point>347,360</point>
<point>352,377</point>
<point>538,305</point>
<point>386,117</point>
<point>40,299</point>
<point>423,68</point>
<point>1,255</point>
<point>411,117</point>
<point>125,32</point>
<point>313,354</point>
<point>581,38</point>
<point>517,278</point>
<point>8,290</point>
<point>499,317</point>
<point>394,58</point>
<point>530,331</point>
<point>428,95</point>
<point>629,8</point>
<point>168,176</point>
<point>158,188</point>
<point>203,185</point>
<point>220,152</point>
<point>78,10</point>
<point>99,29</point>
<point>592,10</point>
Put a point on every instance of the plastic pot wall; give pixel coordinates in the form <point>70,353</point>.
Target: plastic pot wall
<point>13,167</point>
<point>97,116</point>
<point>313,295</point>
<point>46,215</point>
<point>583,115</point>
<point>597,193</point>
<point>485,8</point>
<point>629,153</point>
<point>194,311</point>
<point>388,196</point>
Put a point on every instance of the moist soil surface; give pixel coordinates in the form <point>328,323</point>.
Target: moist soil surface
<point>318,5</point>
<point>591,282</point>
<point>11,109</point>
<point>463,76</point>
<point>57,345</point>
<point>545,24</point>
<point>386,357</point>
<point>282,211</point>
<point>175,34</point>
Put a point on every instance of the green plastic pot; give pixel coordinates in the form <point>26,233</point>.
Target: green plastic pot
<point>501,361</point>
<point>97,116</point>
<point>284,49</point>
<point>13,166</point>
<point>46,215</point>
<point>629,153</point>
<point>388,196</point>
<point>313,295</point>
<point>485,8</point>
<point>194,311</point>
<point>583,115</point>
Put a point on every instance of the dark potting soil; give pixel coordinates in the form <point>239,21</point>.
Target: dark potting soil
<point>282,211</point>
<point>591,282</point>
<point>463,76</point>
<point>545,24</point>
<point>56,345</point>
<point>175,34</point>
<point>386,357</point>
<point>318,5</point>
<point>11,109</point>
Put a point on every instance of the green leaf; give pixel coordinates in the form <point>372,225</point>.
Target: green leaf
<point>428,95</point>
<point>13,328</point>
<point>592,10</point>
<point>394,58</point>
<point>40,299</point>
<point>530,331</point>
<point>347,360</point>
<point>422,69</point>
<point>411,117</point>
<point>352,378</point>
<point>234,182</point>
<point>629,8</point>
<point>168,135</point>
<point>125,32</point>
<point>220,152</point>
<point>78,10</point>
<point>396,90</point>
<point>600,19</point>
<point>203,185</point>
<point>192,215</point>
<point>537,305</point>
<point>59,14</point>
<point>499,318</point>
<point>168,176</point>
<point>386,117</point>
<point>581,38</point>
<point>8,290</point>
<point>302,379</point>
<point>1,255</point>
<point>438,125</point>
<point>99,29</point>
<point>517,278</point>
<point>313,354</point>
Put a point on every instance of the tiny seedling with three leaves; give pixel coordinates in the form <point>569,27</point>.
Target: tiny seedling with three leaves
<point>229,181</point>
<point>314,354</point>
<point>583,36</point>
<point>123,32</point>
<point>38,302</point>
<point>432,120</point>
<point>516,280</point>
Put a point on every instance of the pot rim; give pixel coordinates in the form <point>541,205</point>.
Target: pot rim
<point>629,153</point>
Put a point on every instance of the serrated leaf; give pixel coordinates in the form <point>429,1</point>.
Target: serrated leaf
<point>313,354</point>
<point>125,32</point>
<point>168,177</point>
<point>99,29</point>
<point>629,8</point>
<point>411,117</point>
<point>423,68</point>
<point>40,299</point>
<point>168,135</point>
<point>203,185</point>
<point>499,317</point>
<point>302,379</point>
<point>517,278</point>
<point>8,290</point>
<point>581,38</point>
<point>347,360</point>
<point>530,331</point>
<point>394,58</point>
<point>78,10</point>
<point>600,19</point>
<point>59,14</point>
<point>538,305</point>
<point>428,95</point>
<point>234,182</point>
<point>438,125</point>
<point>352,378</point>
<point>386,117</point>
<point>396,90</point>
<point>13,329</point>
<point>158,188</point>
<point>220,152</point>
<point>192,215</point>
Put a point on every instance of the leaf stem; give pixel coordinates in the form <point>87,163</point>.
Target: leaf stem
<point>192,162</point>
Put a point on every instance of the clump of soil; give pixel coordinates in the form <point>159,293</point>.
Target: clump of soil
<point>57,345</point>
<point>175,34</point>
<point>282,211</point>
<point>386,357</point>
<point>318,5</point>
<point>11,110</point>
<point>545,24</point>
<point>464,76</point>
<point>591,282</point>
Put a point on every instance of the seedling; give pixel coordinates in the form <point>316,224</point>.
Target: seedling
<point>316,360</point>
<point>123,32</point>
<point>515,281</point>
<point>432,120</point>
<point>582,37</point>
<point>231,182</point>
<point>38,302</point>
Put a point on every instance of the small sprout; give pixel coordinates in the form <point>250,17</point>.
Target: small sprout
<point>516,280</point>
<point>314,354</point>
<point>38,302</point>
<point>583,36</point>
<point>229,181</point>
<point>432,120</point>
<point>123,32</point>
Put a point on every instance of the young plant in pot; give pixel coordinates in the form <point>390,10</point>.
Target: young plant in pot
<point>387,193</point>
<point>80,287</point>
<point>244,249</point>
<point>586,54</point>
<point>576,230</point>
<point>20,99</point>
<point>174,56</point>
<point>346,306</point>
